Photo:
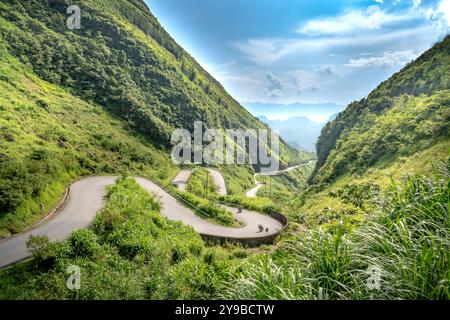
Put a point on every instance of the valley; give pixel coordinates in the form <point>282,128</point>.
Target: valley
<point>85,200</point>
<point>87,120</point>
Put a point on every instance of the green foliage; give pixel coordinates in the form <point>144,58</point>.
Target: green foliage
<point>201,184</point>
<point>39,247</point>
<point>277,194</point>
<point>405,114</point>
<point>82,243</point>
<point>282,188</point>
<point>358,195</point>
<point>264,205</point>
<point>13,185</point>
<point>104,100</point>
<point>123,60</point>
<point>53,146</point>
<point>131,252</point>
<point>238,178</point>
<point>209,210</point>
<point>23,179</point>
<point>100,100</point>
<point>408,240</point>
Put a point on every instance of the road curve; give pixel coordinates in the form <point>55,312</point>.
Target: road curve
<point>181,180</point>
<point>253,192</point>
<point>87,198</point>
<point>219,182</point>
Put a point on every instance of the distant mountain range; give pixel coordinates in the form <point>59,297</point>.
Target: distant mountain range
<point>314,112</point>
<point>299,132</point>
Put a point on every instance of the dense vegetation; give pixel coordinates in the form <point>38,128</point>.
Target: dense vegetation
<point>104,99</point>
<point>131,252</point>
<point>238,179</point>
<point>201,183</point>
<point>287,185</point>
<point>405,114</point>
<point>49,137</point>
<point>123,60</point>
<point>406,238</point>
<point>208,210</point>
<point>401,128</point>
<point>100,100</point>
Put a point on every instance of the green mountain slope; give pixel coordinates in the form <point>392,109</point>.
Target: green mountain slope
<point>100,100</point>
<point>406,114</point>
<point>112,110</point>
<point>48,137</point>
<point>123,60</point>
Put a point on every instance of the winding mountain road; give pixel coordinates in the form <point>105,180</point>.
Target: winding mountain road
<point>87,198</point>
<point>182,178</point>
<point>219,182</point>
<point>252,193</point>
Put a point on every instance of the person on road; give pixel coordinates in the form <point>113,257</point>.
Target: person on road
<point>261,228</point>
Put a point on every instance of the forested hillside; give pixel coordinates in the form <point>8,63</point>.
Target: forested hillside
<point>100,100</point>
<point>121,59</point>
<point>408,113</point>
<point>104,100</point>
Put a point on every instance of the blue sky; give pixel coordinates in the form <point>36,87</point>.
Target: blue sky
<point>308,51</point>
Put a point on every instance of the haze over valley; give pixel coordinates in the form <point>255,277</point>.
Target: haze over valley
<point>130,171</point>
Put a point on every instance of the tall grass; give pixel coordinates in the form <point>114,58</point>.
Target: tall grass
<point>407,240</point>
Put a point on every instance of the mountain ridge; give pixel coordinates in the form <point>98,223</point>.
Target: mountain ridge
<point>274,110</point>
<point>100,100</point>
<point>300,132</point>
<point>123,59</point>
<point>417,97</point>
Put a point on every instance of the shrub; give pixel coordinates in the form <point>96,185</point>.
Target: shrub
<point>408,241</point>
<point>178,254</point>
<point>14,185</point>
<point>39,247</point>
<point>209,257</point>
<point>258,204</point>
<point>208,210</point>
<point>83,243</point>
<point>361,196</point>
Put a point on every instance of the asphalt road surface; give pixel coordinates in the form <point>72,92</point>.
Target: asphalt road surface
<point>183,176</point>
<point>219,181</point>
<point>87,198</point>
<point>253,192</point>
<point>182,179</point>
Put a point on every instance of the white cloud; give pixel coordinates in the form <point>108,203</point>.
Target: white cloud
<point>303,81</point>
<point>268,51</point>
<point>438,14</point>
<point>353,21</point>
<point>326,72</point>
<point>444,9</point>
<point>386,60</point>
<point>352,29</point>
<point>326,59</point>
